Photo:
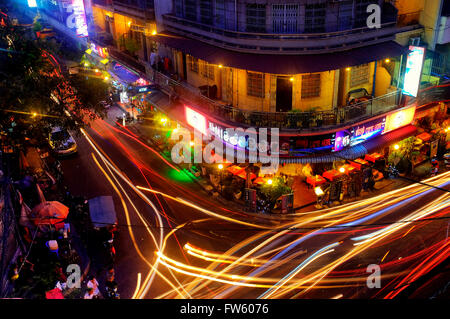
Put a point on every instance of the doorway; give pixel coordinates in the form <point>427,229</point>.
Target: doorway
<point>284,94</point>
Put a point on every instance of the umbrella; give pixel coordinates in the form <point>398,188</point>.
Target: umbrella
<point>54,294</point>
<point>52,211</point>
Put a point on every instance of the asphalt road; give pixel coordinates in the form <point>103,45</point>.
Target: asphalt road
<point>306,256</point>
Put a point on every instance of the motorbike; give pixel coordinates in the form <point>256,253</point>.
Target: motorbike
<point>393,172</point>
<point>111,290</point>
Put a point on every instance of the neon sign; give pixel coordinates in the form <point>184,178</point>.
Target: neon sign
<point>413,71</point>
<point>196,120</point>
<point>77,19</point>
<point>32,3</point>
<point>399,119</point>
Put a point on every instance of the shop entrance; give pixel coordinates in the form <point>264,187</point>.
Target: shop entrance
<point>284,94</point>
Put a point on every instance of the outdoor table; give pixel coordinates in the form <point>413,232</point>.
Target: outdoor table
<point>315,180</point>
<point>425,137</point>
<point>358,163</point>
<point>349,169</point>
<point>373,157</point>
<point>331,174</point>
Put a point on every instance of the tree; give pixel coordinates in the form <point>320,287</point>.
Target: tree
<point>129,44</point>
<point>35,97</point>
<point>273,191</point>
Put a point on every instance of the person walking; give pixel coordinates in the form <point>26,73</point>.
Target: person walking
<point>89,294</point>
<point>93,284</point>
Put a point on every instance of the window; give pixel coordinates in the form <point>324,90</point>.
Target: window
<point>315,17</point>
<point>256,17</point>
<point>361,12</point>
<point>255,84</point>
<point>193,64</point>
<point>190,10</point>
<point>284,18</point>
<point>178,6</point>
<point>359,75</point>
<point>220,13</point>
<point>310,85</point>
<point>208,70</point>
<point>206,11</point>
<point>345,15</point>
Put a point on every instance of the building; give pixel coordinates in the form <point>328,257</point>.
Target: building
<point>312,68</point>
<point>125,25</point>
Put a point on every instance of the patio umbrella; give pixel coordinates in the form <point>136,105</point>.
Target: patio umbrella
<point>54,294</point>
<point>51,212</point>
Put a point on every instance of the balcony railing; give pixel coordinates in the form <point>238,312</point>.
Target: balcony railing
<point>287,43</point>
<point>295,120</point>
<point>315,120</point>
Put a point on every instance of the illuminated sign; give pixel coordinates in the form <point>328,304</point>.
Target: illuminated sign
<point>413,71</point>
<point>32,3</point>
<point>341,140</point>
<point>196,120</point>
<point>102,52</point>
<point>77,17</point>
<point>399,119</point>
<point>368,130</point>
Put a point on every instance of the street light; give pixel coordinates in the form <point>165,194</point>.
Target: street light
<point>318,190</point>
<point>342,169</point>
<point>396,147</point>
<point>291,79</point>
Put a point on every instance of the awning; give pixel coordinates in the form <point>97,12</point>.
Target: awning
<point>356,151</point>
<point>281,63</point>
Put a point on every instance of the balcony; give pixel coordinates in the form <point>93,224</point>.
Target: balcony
<point>295,121</point>
<point>145,14</point>
<point>270,43</point>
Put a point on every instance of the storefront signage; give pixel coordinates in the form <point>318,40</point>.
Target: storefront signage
<point>100,51</point>
<point>413,72</point>
<point>399,119</point>
<point>366,131</point>
<point>341,140</point>
<point>196,120</point>
<point>76,18</point>
<point>32,3</point>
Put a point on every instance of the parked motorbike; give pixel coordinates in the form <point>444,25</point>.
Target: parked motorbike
<point>434,167</point>
<point>111,290</point>
<point>393,172</point>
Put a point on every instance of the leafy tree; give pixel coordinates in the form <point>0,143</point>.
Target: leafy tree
<point>273,191</point>
<point>129,44</point>
<point>35,97</point>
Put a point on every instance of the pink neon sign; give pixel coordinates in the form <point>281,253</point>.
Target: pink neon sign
<point>80,18</point>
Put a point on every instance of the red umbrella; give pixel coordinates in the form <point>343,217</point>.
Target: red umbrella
<point>54,294</point>
<point>51,212</point>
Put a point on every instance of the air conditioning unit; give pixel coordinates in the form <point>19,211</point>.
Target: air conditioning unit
<point>414,41</point>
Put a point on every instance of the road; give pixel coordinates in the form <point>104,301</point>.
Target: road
<point>227,254</point>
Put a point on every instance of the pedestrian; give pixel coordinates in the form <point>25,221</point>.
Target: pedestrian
<point>110,274</point>
<point>89,294</point>
<point>93,283</point>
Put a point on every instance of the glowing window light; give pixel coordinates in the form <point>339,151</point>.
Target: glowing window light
<point>32,3</point>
